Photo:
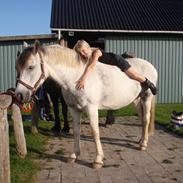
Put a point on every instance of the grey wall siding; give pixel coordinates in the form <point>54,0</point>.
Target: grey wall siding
<point>165,53</point>
<point>8,54</point>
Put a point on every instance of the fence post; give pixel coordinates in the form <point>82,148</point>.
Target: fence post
<point>5,101</point>
<point>19,131</point>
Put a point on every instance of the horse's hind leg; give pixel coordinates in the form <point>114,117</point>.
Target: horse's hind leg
<point>146,116</point>
<point>93,116</point>
<point>76,130</point>
<point>139,109</point>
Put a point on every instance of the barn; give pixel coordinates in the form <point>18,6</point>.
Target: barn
<point>152,29</point>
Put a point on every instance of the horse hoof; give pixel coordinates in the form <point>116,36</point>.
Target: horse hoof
<point>20,154</point>
<point>71,160</point>
<point>108,123</point>
<point>143,148</point>
<point>56,129</point>
<point>34,130</point>
<point>65,130</point>
<point>97,166</point>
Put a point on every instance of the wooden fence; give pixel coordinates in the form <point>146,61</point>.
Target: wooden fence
<point>5,102</point>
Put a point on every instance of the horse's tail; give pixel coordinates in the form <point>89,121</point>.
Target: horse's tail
<point>152,117</point>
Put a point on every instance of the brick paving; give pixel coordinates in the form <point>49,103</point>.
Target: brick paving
<point>124,162</point>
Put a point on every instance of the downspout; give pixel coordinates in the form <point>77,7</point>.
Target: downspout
<point>59,34</point>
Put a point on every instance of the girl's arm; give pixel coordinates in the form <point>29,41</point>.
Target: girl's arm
<point>90,66</point>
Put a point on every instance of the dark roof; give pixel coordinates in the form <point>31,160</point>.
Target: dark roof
<point>117,15</point>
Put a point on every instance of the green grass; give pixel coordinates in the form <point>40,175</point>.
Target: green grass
<point>126,111</point>
<point>22,170</point>
<point>163,112</point>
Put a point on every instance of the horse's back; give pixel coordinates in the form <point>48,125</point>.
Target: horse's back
<point>145,68</point>
<point>116,89</point>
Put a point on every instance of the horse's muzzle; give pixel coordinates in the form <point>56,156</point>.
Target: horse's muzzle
<point>23,97</point>
<point>19,97</point>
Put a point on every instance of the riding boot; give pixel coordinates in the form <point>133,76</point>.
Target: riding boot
<point>149,85</point>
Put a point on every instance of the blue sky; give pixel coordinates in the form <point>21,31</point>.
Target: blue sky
<point>25,17</point>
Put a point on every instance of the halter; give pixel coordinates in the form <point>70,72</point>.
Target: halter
<point>42,76</point>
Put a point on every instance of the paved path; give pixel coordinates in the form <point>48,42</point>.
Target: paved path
<point>124,163</point>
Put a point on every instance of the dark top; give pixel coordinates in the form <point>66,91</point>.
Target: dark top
<point>114,59</point>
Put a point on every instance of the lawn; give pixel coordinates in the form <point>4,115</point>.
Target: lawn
<point>163,112</point>
<point>22,170</point>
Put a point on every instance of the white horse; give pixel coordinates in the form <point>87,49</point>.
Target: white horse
<point>107,87</point>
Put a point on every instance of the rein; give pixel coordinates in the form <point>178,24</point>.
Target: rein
<point>42,76</point>
<point>12,94</point>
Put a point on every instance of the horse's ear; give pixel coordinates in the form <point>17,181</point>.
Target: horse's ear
<point>25,45</point>
<point>18,53</point>
<point>36,46</point>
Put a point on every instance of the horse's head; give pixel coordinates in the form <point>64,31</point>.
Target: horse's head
<point>30,71</point>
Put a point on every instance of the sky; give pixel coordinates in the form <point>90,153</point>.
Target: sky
<point>25,17</point>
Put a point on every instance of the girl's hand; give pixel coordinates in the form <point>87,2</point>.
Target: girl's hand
<point>80,84</point>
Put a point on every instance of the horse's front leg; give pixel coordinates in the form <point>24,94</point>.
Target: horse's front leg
<point>76,130</point>
<point>93,116</point>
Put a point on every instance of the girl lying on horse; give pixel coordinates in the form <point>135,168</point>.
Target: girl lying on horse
<point>96,54</point>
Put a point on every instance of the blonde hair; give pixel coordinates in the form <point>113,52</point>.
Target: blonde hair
<point>80,44</point>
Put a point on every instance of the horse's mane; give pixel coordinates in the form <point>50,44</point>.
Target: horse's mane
<point>62,55</point>
<point>54,54</point>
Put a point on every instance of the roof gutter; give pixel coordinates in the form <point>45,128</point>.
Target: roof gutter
<point>28,37</point>
<point>118,31</point>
